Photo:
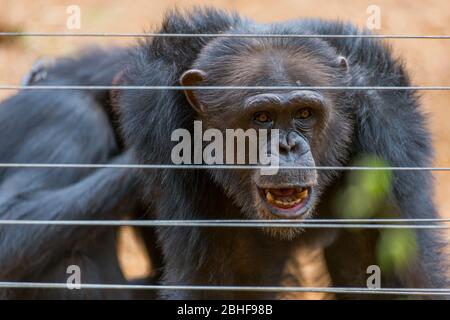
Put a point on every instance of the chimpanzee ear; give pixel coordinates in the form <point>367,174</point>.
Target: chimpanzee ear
<point>343,63</point>
<point>193,77</point>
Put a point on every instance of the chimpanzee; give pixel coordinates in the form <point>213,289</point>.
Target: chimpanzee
<point>72,127</point>
<point>316,128</point>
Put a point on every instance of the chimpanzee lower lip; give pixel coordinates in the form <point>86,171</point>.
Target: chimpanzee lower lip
<point>287,202</point>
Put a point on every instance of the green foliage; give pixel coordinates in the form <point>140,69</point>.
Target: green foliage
<point>364,196</point>
<point>366,190</point>
<point>396,250</point>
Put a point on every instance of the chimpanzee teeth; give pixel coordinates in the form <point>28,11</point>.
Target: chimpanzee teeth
<point>303,194</point>
<point>287,201</point>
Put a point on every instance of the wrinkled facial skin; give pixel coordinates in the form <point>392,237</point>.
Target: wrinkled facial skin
<point>299,116</point>
<point>290,193</point>
<point>309,127</point>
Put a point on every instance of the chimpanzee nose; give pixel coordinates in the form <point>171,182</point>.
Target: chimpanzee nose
<point>293,142</point>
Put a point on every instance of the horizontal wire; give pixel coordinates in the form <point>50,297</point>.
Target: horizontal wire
<point>225,224</point>
<point>220,35</point>
<point>312,220</point>
<point>219,167</point>
<point>344,290</point>
<point>76,87</point>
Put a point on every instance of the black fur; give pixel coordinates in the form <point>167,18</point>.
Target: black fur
<point>62,127</point>
<point>72,126</point>
<point>387,124</point>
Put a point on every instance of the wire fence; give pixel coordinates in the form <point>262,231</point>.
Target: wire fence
<point>289,88</point>
<point>437,223</point>
<point>304,224</point>
<point>221,35</point>
<point>339,290</point>
<point>216,166</point>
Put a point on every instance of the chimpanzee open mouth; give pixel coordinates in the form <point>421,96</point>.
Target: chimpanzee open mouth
<point>289,202</point>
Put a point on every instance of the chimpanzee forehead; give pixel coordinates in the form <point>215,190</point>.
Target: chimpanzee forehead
<point>266,64</point>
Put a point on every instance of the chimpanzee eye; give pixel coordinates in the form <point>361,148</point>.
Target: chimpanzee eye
<point>262,117</point>
<point>304,113</point>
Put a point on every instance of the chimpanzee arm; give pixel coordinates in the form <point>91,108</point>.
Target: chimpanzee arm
<point>105,194</point>
<point>394,131</point>
<point>390,125</point>
<point>57,127</point>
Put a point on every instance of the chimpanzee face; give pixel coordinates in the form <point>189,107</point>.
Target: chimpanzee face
<point>298,116</point>
<point>307,121</point>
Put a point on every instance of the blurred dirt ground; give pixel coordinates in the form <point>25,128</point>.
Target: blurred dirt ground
<point>427,60</point>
